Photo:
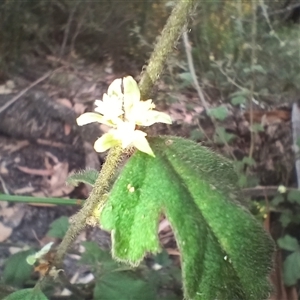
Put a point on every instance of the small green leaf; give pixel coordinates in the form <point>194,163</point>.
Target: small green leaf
<point>219,113</point>
<point>187,79</point>
<point>221,136</point>
<point>238,100</point>
<point>88,176</point>
<point>291,269</point>
<point>256,127</point>
<point>196,135</point>
<point>259,69</point>
<point>294,196</point>
<point>277,200</point>
<point>17,271</point>
<point>225,252</point>
<point>243,92</point>
<point>286,217</point>
<point>120,285</point>
<point>27,294</point>
<point>255,68</point>
<point>163,259</point>
<point>96,257</point>
<point>288,243</point>
<point>243,181</point>
<point>248,161</point>
<point>59,227</point>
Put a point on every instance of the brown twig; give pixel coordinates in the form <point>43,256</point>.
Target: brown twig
<point>67,30</point>
<point>24,91</point>
<point>253,62</point>
<point>188,51</point>
<point>264,191</point>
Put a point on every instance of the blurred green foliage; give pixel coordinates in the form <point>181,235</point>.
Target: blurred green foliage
<point>125,31</point>
<point>95,30</point>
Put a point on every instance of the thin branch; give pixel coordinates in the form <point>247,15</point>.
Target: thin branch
<point>95,201</point>
<point>30,199</point>
<point>98,196</point>
<point>165,45</point>
<point>188,51</point>
<point>264,191</point>
<point>24,91</point>
<point>281,11</point>
<point>253,62</point>
<point>67,30</point>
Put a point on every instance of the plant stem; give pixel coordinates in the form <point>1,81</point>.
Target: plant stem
<point>165,45</point>
<point>30,199</point>
<point>253,62</point>
<point>171,33</point>
<point>94,201</point>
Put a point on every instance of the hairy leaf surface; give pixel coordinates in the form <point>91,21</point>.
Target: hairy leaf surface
<point>226,254</point>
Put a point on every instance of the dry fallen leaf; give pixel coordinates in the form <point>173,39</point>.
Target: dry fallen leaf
<point>38,172</point>
<point>67,129</point>
<point>5,232</point>
<point>79,108</point>
<point>64,101</point>
<point>57,186</point>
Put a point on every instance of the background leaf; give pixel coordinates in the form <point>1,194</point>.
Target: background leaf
<point>59,227</point>
<point>119,285</point>
<point>291,268</point>
<point>294,196</point>
<point>16,270</point>
<point>225,252</point>
<point>219,113</point>
<point>238,100</point>
<point>288,243</point>
<point>97,258</point>
<point>27,294</point>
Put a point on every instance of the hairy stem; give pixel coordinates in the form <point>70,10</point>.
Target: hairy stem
<point>169,37</point>
<point>166,43</point>
<point>93,201</point>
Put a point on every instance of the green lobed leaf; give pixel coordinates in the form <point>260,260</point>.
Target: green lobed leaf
<point>226,254</point>
<point>88,176</point>
<point>27,294</point>
<point>16,269</point>
<point>59,227</point>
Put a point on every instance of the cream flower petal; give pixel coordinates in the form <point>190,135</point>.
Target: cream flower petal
<point>88,118</point>
<point>132,93</point>
<point>125,133</point>
<point>153,116</point>
<point>138,110</point>
<point>105,142</point>
<point>115,88</point>
<point>141,143</point>
<point>110,107</point>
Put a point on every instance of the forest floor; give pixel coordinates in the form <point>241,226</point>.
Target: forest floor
<point>41,144</point>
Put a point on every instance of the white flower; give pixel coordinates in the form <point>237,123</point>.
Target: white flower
<point>123,111</point>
